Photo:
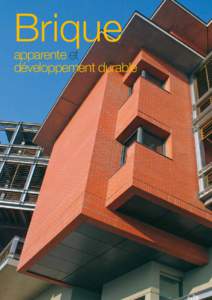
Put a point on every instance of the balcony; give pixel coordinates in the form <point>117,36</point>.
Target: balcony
<point>148,187</point>
<point>204,109</point>
<point>14,285</point>
<point>206,194</point>
<point>16,197</point>
<point>206,173</point>
<point>141,107</point>
<point>20,183</point>
<point>204,79</point>
<point>19,153</point>
<point>11,253</point>
<point>150,172</point>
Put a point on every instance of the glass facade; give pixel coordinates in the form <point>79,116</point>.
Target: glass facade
<point>203,125</point>
<point>22,164</point>
<point>204,78</point>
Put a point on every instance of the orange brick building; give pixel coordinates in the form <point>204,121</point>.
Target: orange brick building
<point>128,184</point>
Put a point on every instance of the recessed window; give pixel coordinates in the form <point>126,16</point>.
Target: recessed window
<point>153,142</point>
<point>204,78</point>
<point>130,91</point>
<point>150,73</point>
<point>154,79</point>
<point>203,106</point>
<point>170,287</point>
<point>146,138</point>
<point>133,138</point>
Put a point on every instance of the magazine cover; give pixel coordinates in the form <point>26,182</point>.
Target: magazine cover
<point>106,150</point>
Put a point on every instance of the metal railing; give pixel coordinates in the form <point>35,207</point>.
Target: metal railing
<point>11,251</point>
<point>204,105</point>
<point>208,179</point>
<point>206,194</point>
<point>15,195</point>
<point>206,174</point>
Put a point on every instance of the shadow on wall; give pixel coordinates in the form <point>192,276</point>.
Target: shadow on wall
<point>199,278</point>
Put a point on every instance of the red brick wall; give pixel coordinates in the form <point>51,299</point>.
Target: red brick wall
<point>63,188</point>
<point>210,37</point>
<point>86,155</point>
<point>172,112</point>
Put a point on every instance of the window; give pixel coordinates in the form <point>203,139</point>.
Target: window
<point>202,85</point>
<point>170,287</point>
<point>133,138</point>
<point>153,142</point>
<point>206,131</point>
<point>14,175</point>
<point>151,73</point>
<point>208,179</point>
<point>203,106</point>
<point>37,178</point>
<point>154,79</point>
<point>130,91</point>
<point>146,138</point>
<point>25,137</point>
<point>206,142</point>
<point>204,78</point>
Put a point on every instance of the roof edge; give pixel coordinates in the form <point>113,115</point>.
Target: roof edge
<point>134,15</point>
<point>182,7</point>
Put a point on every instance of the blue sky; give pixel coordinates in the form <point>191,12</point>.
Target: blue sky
<point>29,96</point>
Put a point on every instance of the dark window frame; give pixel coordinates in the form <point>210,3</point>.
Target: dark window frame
<point>130,91</point>
<point>204,79</point>
<point>151,74</point>
<point>138,137</point>
<point>154,79</point>
<point>175,279</point>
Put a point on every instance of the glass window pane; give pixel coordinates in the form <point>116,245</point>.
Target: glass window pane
<point>145,138</point>
<point>128,142</point>
<point>202,82</point>
<point>14,175</point>
<point>131,140</point>
<point>153,142</point>
<point>209,70</point>
<point>130,91</point>
<point>157,81</point>
<point>37,178</point>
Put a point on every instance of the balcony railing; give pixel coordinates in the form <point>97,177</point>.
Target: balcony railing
<point>26,151</point>
<point>206,194</point>
<point>206,131</point>
<point>208,178</point>
<point>11,251</point>
<point>204,105</point>
<point>15,196</point>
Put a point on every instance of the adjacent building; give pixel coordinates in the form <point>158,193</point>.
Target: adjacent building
<point>124,211</point>
<point>22,168</point>
<point>202,119</point>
